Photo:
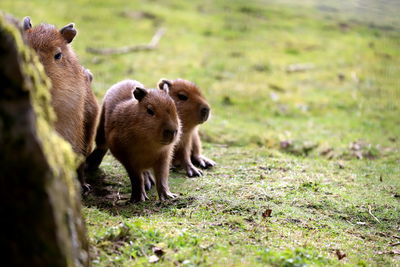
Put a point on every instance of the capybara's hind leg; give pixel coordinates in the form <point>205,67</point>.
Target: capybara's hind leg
<point>81,177</point>
<point>148,180</point>
<point>95,158</point>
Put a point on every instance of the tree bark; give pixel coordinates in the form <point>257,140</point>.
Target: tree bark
<point>40,209</point>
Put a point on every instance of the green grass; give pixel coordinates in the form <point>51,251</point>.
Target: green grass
<point>285,142</point>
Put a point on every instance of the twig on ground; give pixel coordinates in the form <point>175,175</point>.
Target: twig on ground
<point>373,216</point>
<point>128,49</point>
<point>143,252</point>
<point>394,244</point>
<point>299,67</point>
<point>118,197</point>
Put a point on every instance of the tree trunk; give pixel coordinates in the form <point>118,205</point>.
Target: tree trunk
<point>40,209</point>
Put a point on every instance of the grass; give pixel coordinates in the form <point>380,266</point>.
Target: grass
<point>317,149</point>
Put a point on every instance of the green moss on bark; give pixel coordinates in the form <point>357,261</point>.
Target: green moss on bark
<point>39,184</point>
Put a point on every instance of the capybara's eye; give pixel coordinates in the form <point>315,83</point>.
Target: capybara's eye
<point>182,97</point>
<point>58,56</point>
<point>150,111</point>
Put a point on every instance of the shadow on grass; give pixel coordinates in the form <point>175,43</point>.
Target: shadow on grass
<point>113,197</point>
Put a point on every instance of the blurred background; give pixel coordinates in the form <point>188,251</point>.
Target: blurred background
<point>319,73</point>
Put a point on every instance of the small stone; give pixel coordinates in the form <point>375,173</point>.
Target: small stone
<point>341,165</point>
<point>158,251</point>
<point>153,259</point>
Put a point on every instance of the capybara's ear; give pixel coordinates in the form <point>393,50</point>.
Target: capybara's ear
<point>26,24</point>
<point>68,32</point>
<point>139,93</point>
<point>89,74</point>
<point>164,85</point>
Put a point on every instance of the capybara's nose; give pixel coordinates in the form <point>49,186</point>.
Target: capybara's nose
<point>204,113</point>
<point>169,135</point>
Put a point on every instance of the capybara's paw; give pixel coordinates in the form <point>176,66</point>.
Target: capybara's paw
<point>167,195</point>
<point>86,188</point>
<point>203,162</point>
<point>148,180</point>
<point>138,197</point>
<point>192,171</point>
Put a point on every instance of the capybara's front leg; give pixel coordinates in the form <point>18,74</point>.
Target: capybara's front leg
<point>197,158</point>
<point>161,172</point>
<point>138,194</point>
<point>182,156</point>
<point>93,161</point>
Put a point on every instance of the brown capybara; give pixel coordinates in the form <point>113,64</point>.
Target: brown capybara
<point>72,97</point>
<point>193,110</point>
<point>140,127</point>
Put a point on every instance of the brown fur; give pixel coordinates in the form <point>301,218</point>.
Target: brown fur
<point>72,97</point>
<point>188,151</point>
<point>135,137</point>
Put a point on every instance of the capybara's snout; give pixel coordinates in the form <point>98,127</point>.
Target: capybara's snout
<point>169,135</point>
<point>204,113</point>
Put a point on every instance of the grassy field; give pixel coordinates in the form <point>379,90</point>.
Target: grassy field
<point>305,131</point>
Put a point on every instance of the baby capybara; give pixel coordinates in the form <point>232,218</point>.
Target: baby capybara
<point>140,127</point>
<point>72,97</point>
<point>193,110</point>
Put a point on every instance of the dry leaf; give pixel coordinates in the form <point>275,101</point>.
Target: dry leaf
<point>340,254</point>
<point>267,213</point>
